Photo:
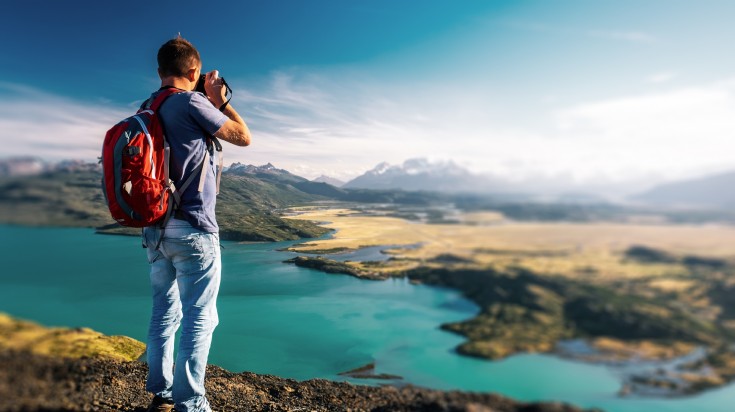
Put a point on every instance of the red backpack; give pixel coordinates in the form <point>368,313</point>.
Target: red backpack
<point>135,167</point>
<point>135,157</point>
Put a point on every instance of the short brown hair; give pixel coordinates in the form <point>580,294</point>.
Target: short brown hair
<point>176,57</point>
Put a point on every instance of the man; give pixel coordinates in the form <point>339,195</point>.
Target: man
<point>186,266</point>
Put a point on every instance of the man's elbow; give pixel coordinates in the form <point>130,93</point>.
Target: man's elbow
<point>234,133</point>
<point>244,137</point>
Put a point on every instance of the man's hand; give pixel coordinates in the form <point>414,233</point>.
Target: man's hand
<point>234,130</point>
<point>215,88</point>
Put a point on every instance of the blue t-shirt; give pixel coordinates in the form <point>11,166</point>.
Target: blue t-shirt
<point>189,118</point>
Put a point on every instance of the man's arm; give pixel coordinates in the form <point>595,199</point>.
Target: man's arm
<point>234,130</point>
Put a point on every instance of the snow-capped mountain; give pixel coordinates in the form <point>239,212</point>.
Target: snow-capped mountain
<point>447,176</point>
<point>32,166</point>
<point>270,173</point>
<point>264,171</point>
<point>22,166</point>
<point>328,180</point>
<point>421,174</point>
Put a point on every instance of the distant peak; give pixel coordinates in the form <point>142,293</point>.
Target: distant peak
<point>330,180</point>
<point>425,166</point>
<point>416,162</point>
<point>380,168</point>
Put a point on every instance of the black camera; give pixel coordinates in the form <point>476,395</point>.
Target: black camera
<point>200,85</point>
<point>200,88</point>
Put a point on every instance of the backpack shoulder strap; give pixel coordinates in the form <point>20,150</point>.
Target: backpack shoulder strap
<point>155,102</point>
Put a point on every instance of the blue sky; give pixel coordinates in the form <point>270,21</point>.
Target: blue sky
<point>580,91</point>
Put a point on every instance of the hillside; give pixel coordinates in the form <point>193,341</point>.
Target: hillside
<point>252,198</point>
<point>247,208</point>
<point>282,177</point>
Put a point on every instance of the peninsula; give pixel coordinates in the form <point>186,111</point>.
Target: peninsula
<point>627,291</point>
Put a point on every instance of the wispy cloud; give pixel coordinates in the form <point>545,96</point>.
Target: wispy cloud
<point>626,35</point>
<point>634,36</point>
<point>342,131</point>
<point>34,123</point>
<point>661,77</point>
<point>675,132</point>
<point>319,125</point>
<point>343,125</point>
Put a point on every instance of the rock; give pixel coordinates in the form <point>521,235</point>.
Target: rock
<point>107,384</point>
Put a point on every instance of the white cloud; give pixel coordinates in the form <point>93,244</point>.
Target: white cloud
<point>627,35</point>
<point>676,132</point>
<point>321,125</point>
<point>634,36</point>
<point>34,123</point>
<point>340,131</point>
<point>661,77</point>
<point>343,125</point>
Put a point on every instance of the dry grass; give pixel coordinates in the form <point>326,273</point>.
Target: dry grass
<point>73,343</point>
<point>482,218</point>
<point>614,348</point>
<point>589,254</point>
<point>671,285</point>
<point>570,249</point>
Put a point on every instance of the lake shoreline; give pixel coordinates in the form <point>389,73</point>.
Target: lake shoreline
<point>614,346</point>
<point>359,286</point>
<point>608,352</point>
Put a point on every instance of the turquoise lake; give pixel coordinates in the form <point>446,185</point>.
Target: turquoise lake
<point>283,320</point>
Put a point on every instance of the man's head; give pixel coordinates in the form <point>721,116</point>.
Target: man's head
<point>179,58</point>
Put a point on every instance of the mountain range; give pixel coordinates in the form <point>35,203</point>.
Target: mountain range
<point>32,166</point>
<point>329,180</point>
<point>710,191</point>
<point>390,183</point>
<point>69,194</point>
<point>421,174</point>
<point>449,177</point>
<point>272,174</point>
<point>267,171</point>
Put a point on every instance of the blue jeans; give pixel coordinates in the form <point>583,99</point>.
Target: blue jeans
<point>185,278</point>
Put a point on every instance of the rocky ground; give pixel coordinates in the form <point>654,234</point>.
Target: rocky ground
<point>30,382</point>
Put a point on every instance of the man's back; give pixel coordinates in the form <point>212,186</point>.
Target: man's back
<point>189,119</point>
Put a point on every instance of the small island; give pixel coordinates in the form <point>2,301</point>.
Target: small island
<point>367,371</point>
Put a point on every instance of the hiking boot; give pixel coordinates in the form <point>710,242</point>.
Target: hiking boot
<point>159,404</point>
